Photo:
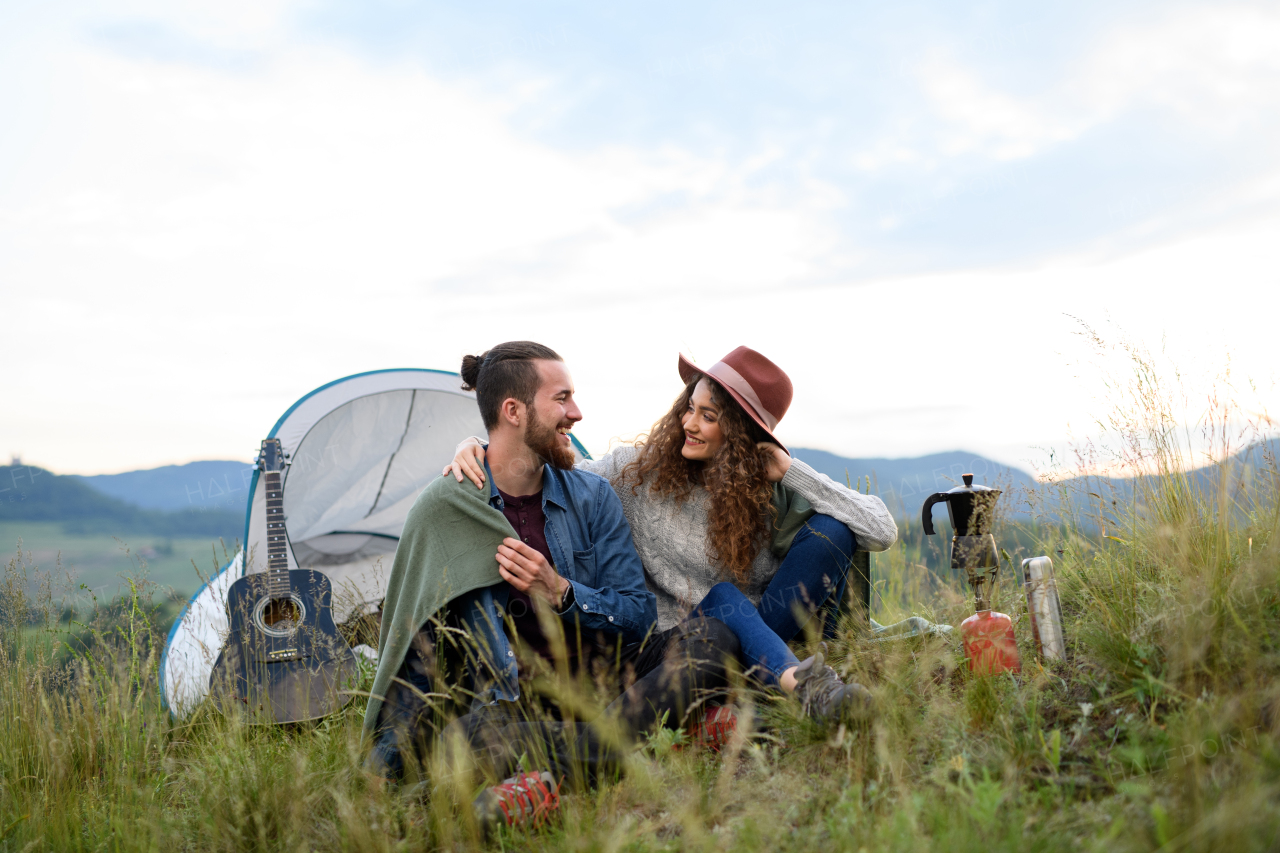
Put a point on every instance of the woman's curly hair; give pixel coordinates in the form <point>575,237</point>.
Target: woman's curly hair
<point>741,506</point>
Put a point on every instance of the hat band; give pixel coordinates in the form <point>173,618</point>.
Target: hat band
<point>733,379</point>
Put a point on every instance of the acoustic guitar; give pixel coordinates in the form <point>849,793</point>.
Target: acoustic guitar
<point>284,660</point>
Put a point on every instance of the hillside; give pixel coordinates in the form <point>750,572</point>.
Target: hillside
<point>905,483</point>
<point>207,497</point>
<point>217,484</point>
<point>28,493</point>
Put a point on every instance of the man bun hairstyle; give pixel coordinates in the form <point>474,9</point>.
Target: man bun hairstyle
<point>507,370</point>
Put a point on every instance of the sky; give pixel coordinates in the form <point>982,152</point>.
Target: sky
<point>207,209</point>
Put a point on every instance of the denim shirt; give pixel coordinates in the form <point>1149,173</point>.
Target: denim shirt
<point>590,543</point>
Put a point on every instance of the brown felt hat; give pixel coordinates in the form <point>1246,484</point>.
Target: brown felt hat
<point>760,387</point>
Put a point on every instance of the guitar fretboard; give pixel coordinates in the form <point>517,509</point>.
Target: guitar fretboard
<point>277,544</point>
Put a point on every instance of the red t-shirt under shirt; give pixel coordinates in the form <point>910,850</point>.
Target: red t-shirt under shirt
<point>526,516</point>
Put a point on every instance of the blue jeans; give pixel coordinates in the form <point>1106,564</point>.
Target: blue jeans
<point>813,572</point>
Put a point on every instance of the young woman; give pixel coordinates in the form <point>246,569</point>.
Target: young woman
<point>728,525</point>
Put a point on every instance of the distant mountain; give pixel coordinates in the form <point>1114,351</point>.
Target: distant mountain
<point>208,498</point>
<point>1251,467</point>
<point>198,486</point>
<point>29,493</point>
<point>905,483</point>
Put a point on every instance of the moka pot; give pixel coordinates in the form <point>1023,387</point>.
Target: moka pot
<point>972,511</point>
<point>988,636</point>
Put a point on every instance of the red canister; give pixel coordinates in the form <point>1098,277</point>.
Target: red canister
<point>989,644</point>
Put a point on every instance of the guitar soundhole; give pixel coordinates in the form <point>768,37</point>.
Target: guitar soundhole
<point>281,610</point>
<point>280,617</point>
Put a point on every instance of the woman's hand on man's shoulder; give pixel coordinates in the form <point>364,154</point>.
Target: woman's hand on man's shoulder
<point>468,461</point>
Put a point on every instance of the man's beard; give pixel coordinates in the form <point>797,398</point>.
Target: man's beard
<point>543,440</point>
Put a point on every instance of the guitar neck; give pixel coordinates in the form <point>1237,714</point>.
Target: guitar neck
<point>277,538</point>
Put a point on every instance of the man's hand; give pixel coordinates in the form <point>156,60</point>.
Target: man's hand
<point>528,571</point>
<point>469,460</point>
<point>778,464</point>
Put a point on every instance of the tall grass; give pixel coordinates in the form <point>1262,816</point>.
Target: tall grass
<point>1158,731</point>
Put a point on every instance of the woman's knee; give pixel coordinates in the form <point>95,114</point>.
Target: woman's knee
<point>832,532</point>
<point>724,601</point>
<point>723,593</point>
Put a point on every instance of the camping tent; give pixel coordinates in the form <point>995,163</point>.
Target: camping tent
<point>360,450</point>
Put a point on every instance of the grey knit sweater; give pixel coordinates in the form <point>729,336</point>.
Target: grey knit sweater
<point>672,537</point>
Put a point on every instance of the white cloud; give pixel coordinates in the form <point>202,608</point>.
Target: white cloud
<point>1215,68</point>
<point>347,209</point>
<point>189,249</point>
<point>1210,64</point>
<point>326,162</point>
<point>228,24</point>
<point>977,119</point>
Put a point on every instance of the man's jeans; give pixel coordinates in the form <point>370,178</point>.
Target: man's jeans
<point>676,671</point>
<point>813,573</point>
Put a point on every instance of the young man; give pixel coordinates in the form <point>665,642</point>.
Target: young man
<point>545,545</point>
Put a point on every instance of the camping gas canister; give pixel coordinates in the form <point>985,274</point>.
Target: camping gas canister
<point>989,644</point>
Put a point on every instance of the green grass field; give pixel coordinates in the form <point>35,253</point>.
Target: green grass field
<point>101,561</point>
<point>1159,731</point>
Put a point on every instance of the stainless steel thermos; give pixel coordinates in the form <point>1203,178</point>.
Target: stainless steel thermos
<point>1043,607</point>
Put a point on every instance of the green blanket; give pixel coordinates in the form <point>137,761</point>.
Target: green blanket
<point>792,512</point>
<point>447,549</point>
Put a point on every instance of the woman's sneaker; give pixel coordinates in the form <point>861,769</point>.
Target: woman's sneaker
<point>526,799</point>
<point>825,698</point>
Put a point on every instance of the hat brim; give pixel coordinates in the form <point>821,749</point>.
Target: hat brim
<point>688,370</point>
